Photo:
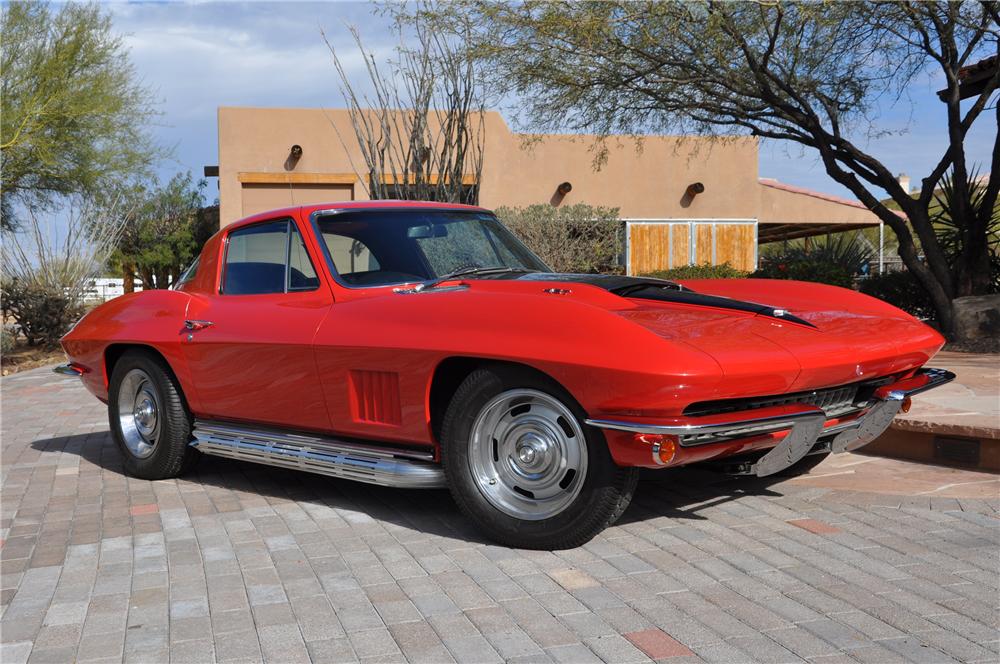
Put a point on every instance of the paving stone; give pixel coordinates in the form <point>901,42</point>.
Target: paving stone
<point>915,650</point>
<point>237,562</point>
<point>196,652</point>
<point>373,643</point>
<point>238,646</point>
<point>331,650</point>
<point>615,648</point>
<point>657,644</point>
<point>721,652</point>
<point>282,643</point>
<point>15,652</point>
<point>471,649</point>
<point>802,642</point>
<point>420,642</point>
<point>576,653</point>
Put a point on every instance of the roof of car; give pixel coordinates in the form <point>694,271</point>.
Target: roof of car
<point>307,210</point>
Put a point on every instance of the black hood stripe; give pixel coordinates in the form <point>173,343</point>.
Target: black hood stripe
<point>662,290</point>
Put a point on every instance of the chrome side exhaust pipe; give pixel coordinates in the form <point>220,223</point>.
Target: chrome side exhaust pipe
<point>385,466</point>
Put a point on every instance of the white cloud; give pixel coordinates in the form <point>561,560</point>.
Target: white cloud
<point>197,57</point>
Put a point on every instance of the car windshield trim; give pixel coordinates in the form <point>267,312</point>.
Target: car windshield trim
<point>316,217</point>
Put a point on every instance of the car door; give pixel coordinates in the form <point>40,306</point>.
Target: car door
<point>249,343</point>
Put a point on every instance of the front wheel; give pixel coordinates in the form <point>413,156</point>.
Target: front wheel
<point>523,466</point>
<point>148,417</point>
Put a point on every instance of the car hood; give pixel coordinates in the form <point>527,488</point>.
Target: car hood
<point>769,336</point>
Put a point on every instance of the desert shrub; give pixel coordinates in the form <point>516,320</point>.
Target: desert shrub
<point>572,238</point>
<point>704,271</point>
<point>8,340</point>
<point>836,262</point>
<point>45,271</point>
<point>901,290</point>
<point>41,312</point>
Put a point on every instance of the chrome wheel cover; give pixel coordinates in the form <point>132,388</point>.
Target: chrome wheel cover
<point>139,413</point>
<point>528,454</point>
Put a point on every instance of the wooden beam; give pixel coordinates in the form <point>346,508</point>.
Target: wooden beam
<point>432,179</point>
<point>297,178</point>
<point>328,178</point>
<point>779,232</point>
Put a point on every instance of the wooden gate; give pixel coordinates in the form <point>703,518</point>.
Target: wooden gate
<point>652,245</point>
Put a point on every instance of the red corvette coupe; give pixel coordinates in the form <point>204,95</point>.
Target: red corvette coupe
<point>422,345</point>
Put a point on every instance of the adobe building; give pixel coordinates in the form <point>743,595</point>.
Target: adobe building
<point>683,199</point>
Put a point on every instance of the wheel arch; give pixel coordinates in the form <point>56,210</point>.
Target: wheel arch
<point>449,374</point>
<point>114,352</point>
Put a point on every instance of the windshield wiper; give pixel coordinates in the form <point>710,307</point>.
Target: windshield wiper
<point>466,272</point>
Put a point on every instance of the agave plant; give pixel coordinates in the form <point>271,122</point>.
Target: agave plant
<point>849,251</point>
<point>837,260</point>
<point>951,236</point>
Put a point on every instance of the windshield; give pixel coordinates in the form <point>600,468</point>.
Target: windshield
<point>381,247</point>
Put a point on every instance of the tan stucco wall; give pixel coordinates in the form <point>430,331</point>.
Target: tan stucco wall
<point>645,181</point>
<point>778,206</point>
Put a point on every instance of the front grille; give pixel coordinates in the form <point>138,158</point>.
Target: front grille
<point>835,401</point>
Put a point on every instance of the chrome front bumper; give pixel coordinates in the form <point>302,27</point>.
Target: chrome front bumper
<point>805,424</point>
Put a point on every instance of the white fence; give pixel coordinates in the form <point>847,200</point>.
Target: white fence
<point>104,289</point>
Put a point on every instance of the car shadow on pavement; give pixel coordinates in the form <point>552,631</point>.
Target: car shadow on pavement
<point>682,493</point>
<point>675,494</point>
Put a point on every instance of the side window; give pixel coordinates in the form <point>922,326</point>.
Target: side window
<point>188,274</point>
<point>301,273</point>
<point>267,258</point>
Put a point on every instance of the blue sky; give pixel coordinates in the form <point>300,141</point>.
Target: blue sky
<point>197,57</point>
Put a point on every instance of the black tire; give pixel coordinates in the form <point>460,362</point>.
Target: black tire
<point>171,455</point>
<point>603,496</point>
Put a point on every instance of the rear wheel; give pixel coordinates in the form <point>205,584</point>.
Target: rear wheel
<point>148,417</point>
<point>523,466</point>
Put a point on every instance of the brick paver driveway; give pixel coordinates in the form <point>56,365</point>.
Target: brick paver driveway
<point>242,562</point>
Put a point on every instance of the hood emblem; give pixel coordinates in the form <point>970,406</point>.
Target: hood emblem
<point>858,370</point>
<point>557,291</point>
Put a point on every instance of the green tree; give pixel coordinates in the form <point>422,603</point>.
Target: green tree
<point>74,114</point>
<point>164,231</point>
<point>810,73</point>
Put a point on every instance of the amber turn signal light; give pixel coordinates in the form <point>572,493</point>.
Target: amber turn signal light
<point>664,447</point>
<point>907,402</point>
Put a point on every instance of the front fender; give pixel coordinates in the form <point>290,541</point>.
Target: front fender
<point>153,318</point>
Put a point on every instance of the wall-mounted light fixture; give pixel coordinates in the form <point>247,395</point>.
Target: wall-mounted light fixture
<point>564,188</point>
<point>294,154</point>
<point>694,189</point>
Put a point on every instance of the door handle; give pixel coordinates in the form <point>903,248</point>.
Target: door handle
<point>195,325</point>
